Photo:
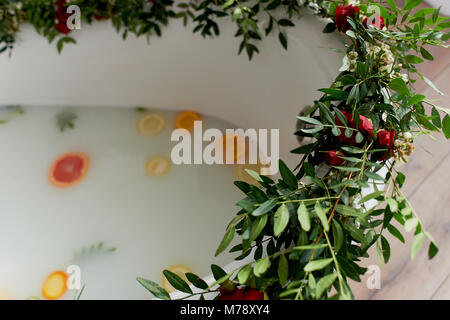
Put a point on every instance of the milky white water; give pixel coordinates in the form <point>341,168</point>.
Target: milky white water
<point>152,222</point>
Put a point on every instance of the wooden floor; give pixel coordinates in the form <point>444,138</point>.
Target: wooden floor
<point>428,188</point>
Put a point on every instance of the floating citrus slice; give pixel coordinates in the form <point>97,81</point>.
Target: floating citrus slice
<point>158,166</point>
<point>242,175</point>
<point>151,124</point>
<point>68,169</point>
<point>55,285</point>
<point>232,146</point>
<point>179,270</point>
<point>185,120</point>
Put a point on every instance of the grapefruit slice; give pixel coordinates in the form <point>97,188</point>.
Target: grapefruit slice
<point>158,166</point>
<point>68,169</point>
<point>151,124</point>
<point>180,270</point>
<point>185,120</point>
<point>55,285</point>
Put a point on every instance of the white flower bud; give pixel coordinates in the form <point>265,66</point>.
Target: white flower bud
<point>407,135</point>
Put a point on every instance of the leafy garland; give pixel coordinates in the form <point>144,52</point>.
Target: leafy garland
<point>309,230</point>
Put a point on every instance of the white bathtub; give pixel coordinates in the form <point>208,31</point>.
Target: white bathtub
<point>181,70</point>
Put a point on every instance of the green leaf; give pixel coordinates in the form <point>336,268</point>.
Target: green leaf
<point>432,250</point>
<point>413,59</point>
<point>386,249</point>
<point>303,217</point>
<point>177,282</point>
<point>254,175</point>
<point>261,266</point>
<point>359,137</point>
<point>196,281</point>
<point>410,224</point>
<point>338,235</point>
<point>287,175</point>
<point>227,4</point>
<point>399,85</point>
<point>392,204</point>
<point>326,113</point>
<point>321,214</point>
<point>427,55</point>
<point>265,207</point>
<point>154,289</point>
<point>446,126</point>
<point>218,272</point>
<point>417,244</point>
<point>416,99</point>
<point>431,84</point>
<point>324,283</point>
<point>373,176</point>
<point>310,120</point>
<point>286,23</point>
<point>411,4</point>
<point>317,264</point>
<point>348,210</point>
<point>371,196</point>
<point>226,240</point>
<point>257,227</point>
<point>395,232</point>
<point>311,247</point>
<point>281,219</point>
<point>283,40</point>
<point>283,270</point>
<point>244,274</point>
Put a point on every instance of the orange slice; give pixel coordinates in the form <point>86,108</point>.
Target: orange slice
<point>68,169</point>
<point>151,124</point>
<point>55,285</point>
<point>185,120</point>
<point>235,143</point>
<point>180,270</point>
<point>242,175</point>
<point>158,166</point>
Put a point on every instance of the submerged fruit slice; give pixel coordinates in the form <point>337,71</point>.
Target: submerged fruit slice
<point>185,120</point>
<point>68,169</point>
<point>151,124</point>
<point>180,270</point>
<point>158,166</point>
<point>242,175</point>
<point>232,147</point>
<point>55,285</point>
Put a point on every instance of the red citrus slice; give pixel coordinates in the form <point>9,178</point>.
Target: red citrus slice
<point>68,169</point>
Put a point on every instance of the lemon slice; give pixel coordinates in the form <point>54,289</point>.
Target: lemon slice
<point>235,143</point>
<point>185,120</point>
<point>55,285</point>
<point>180,270</point>
<point>158,166</point>
<point>151,124</point>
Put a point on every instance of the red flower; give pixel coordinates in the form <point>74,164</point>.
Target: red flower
<point>241,294</point>
<point>386,138</point>
<point>332,158</point>
<point>365,126</point>
<point>377,22</point>
<point>62,16</point>
<point>342,13</point>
